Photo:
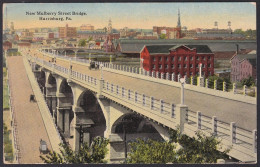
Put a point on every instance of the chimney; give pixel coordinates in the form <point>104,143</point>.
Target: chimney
<point>237,48</point>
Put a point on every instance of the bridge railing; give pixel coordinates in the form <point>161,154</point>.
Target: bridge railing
<point>228,132</point>
<point>150,103</point>
<point>164,76</point>
<point>74,74</point>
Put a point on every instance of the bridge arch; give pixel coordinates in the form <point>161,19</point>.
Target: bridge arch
<point>41,79</point>
<point>88,102</point>
<point>135,124</point>
<point>65,113</point>
<point>51,98</point>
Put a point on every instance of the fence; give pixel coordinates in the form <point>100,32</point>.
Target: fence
<point>16,147</point>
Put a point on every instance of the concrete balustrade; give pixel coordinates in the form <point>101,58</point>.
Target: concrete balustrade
<point>214,125</point>
<point>152,102</point>
<point>198,120</point>
<point>136,97</point>
<point>179,77</point>
<point>162,106</point>
<point>224,87</point>
<point>244,90</point>
<point>129,94</point>
<point>233,132</point>
<point>107,86</point>
<point>157,74</point>
<point>185,79</point>
<point>112,88</point>
<point>144,99</point>
<point>254,137</point>
<point>172,110</point>
<point>207,83</point>
<point>191,80</point>
<point>117,89</point>
<point>167,76</point>
<point>123,92</point>
<point>215,84</point>
<point>173,77</point>
<point>153,74</point>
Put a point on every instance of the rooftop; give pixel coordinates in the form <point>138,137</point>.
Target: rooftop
<point>135,46</point>
<point>167,48</point>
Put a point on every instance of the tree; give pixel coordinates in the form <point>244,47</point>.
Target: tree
<point>90,38</point>
<point>151,151</point>
<point>82,42</point>
<point>163,36</point>
<point>248,81</point>
<point>198,149</point>
<point>220,81</point>
<point>95,153</point>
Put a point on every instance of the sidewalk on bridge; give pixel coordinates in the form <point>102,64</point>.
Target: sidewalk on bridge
<point>46,116</point>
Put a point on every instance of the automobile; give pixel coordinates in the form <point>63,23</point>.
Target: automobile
<point>43,147</point>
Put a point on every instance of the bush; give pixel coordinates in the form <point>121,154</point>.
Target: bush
<point>252,94</point>
<point>9,157</point>
<point>220,81</point>
<point>8,148</point>
<point>248,81</point>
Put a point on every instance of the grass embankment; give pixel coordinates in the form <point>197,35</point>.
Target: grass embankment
<point>7,136</point>
<point>5,90</point>
<point>14,54</point>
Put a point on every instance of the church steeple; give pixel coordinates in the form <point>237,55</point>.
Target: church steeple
<point>179,19</point>
<point>109,28</point>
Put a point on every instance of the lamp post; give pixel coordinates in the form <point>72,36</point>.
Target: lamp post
<point>89,57</point>
<point>142,61</point>
<point>110,59</point>
<point>101,66</point>
<point>125,121</point>
<point>80,135</point>
<point>200,65</point>
<point>182,81</point>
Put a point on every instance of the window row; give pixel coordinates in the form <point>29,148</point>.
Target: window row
<point>196,73</point>
<point>179,66</point>
<point>185,58</point>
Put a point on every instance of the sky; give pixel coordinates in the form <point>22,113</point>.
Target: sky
<point>135,15</point>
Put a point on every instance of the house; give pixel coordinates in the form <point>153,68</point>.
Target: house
<point>243,66</point>
<point>7,45</point>
<point>178,59</point>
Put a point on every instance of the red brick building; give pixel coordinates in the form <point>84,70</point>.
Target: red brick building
<point>168,31</point>
<point>7,45</point>
<point>178,59</point>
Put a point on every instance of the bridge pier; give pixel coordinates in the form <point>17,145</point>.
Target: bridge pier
<point>181,115</point>
<point>200,81</point>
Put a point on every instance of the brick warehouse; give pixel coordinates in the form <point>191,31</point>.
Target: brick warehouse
<point>178,59</point>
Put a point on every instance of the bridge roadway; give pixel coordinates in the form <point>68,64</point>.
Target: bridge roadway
<point>30,126</point>
<point>226,110</point>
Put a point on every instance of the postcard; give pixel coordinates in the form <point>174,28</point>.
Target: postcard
<point>130,83</point>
